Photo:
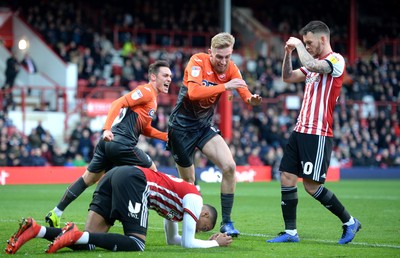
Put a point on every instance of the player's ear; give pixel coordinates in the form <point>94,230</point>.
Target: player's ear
<point>205,214</point>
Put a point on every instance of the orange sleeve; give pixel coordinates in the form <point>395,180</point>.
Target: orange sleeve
<point>197,91</point>
<point>245,94</point>
<point>131,99</point>
<point>152,132</point>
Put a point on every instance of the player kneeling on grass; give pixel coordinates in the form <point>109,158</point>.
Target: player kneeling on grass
<point>126,194</point>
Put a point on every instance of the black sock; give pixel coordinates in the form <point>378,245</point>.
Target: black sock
<point>226,205</point>
<point>72,192</point>
<point>289,206</point>
<point>329,200</point>
<point>52,233</point>
<point>116,242</point>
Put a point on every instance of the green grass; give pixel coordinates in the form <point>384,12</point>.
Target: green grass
<point>256,214</point>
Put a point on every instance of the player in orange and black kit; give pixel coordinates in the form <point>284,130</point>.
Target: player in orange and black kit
<point>206,77</point>
<point>128,117</point>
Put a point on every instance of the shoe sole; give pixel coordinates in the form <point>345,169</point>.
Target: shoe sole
<point>23,226</point>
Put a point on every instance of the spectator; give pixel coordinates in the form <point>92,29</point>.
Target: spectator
<point>254,158</point>
<point>26,159</point>
<point>85,146</point>
<point>58,158</point>
<point>79,161</point>
<point>12,70</point>
<point>37,158</point>
<point>28,63</point>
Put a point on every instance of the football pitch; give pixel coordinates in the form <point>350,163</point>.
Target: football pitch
<point>257,214</point>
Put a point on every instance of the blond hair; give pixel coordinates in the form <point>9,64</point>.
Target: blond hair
<point>222,40</point>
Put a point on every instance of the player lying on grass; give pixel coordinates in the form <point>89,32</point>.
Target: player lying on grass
<point>126,194</point>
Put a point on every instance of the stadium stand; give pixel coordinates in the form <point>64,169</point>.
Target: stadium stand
<point>367,128</point>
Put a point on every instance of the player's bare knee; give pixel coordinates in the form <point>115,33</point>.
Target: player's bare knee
<point>228,169</point>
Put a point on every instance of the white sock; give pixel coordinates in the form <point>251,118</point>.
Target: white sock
<point>42,232</point>
<point>58,211</point>
<point>84,239</point>
<point>350,222</point>
<point>291,232</point>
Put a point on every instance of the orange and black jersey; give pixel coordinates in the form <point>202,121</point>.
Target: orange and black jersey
<point>201,90</point>
<point>131,115</point>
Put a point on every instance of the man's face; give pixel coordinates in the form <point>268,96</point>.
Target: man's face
<point>313,44</point>
<point>220,58</point>
<point>163,79</point>
<point>203,224</point>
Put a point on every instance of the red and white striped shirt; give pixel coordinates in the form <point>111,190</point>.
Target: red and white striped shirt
<point>166,195</point>
<point>175,200</point>
<point>320,96</point>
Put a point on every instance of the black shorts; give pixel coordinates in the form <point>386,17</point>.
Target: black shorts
<point>121,195</point>
<point>307,156</point>
<point>182,144</point>
<point>110,154</point>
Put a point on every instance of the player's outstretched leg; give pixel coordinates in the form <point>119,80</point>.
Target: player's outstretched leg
<point>28,229</point>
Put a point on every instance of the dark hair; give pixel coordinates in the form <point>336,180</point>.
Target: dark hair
<point>315,27</point>
<point>213,214</point>
<point>155,67</point>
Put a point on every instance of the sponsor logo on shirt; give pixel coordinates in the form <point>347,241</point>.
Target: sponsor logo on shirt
<point>171,214</point>
<point>151,113</point>
<point>137,94</point>
<point>207,83</point>
<point>196,71</point>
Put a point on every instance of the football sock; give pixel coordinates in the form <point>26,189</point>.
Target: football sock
<point>72,192</point>
<point>57,211</point>
<point>116,242</point>
<point>350,222</point>
<point>291,232</point>
<point>289,206</point>
<point>329,200</point>
<point>226,205</point>
<point>51,233</point>
<point>84,239</point>
<point>42,232</point>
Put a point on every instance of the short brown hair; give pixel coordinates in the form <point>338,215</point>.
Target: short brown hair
<point>155,67</point>
<point>315,27</point>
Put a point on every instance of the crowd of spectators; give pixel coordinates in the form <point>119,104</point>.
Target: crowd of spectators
<point>365,134</point>
<point>367,131</point>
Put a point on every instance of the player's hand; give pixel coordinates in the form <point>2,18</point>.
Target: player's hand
<point>254,100</point>
<point>214,236</point>
<point>108,136</point>
<point>222,239</point>
<point>292,43</point>
<point>235,84</point>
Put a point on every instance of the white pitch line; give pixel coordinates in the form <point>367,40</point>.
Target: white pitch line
<point>245,234</point>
